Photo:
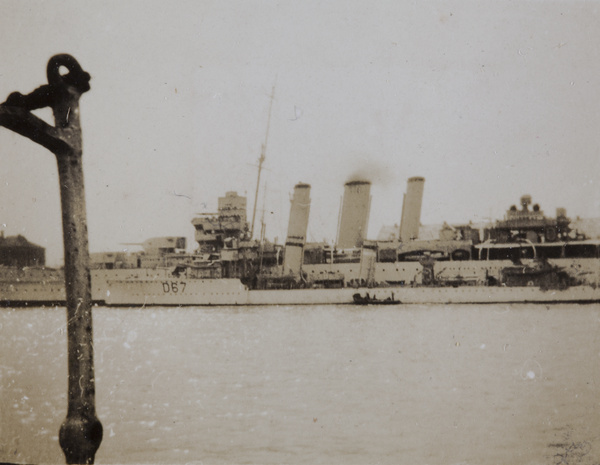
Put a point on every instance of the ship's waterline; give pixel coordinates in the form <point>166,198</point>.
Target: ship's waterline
<point>433,384</point>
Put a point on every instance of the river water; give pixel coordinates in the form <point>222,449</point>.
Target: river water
<point>455,384</point>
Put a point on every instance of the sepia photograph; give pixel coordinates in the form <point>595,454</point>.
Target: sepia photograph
<point>319,232</point>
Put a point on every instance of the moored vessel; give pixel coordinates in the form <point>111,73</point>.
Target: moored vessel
<point>525,257</point>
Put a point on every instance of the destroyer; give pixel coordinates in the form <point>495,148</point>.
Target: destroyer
<point>525,257</point>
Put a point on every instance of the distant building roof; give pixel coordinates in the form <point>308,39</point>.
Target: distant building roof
<point>16,241</point>
<point>18,251</point>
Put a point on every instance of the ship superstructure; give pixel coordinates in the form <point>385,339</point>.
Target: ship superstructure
<point>225,247</point>
<point>461,254</point>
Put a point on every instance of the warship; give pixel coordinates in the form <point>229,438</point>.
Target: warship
<point>524,257</point>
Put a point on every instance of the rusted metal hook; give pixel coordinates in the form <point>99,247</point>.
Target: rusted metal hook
<point>81,433</point>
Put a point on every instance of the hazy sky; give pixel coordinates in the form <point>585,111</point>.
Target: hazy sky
<point>487,100</point>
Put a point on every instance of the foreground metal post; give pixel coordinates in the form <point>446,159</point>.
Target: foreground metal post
<point>81,432</point>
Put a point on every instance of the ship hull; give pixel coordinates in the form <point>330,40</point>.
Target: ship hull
<point>30,287</point>
<point>231,293</point>
<point>487,295</point>
<point>159,287</point>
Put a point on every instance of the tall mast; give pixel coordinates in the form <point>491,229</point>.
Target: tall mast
<point>263,227</point>
<point>263,154</point>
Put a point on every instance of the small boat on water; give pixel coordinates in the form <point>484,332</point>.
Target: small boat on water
<point>367,299</point>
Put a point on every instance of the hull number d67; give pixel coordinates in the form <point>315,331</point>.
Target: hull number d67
<point>173,287</point>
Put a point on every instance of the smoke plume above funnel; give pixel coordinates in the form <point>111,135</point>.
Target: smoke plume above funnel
<point>374,173</point>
